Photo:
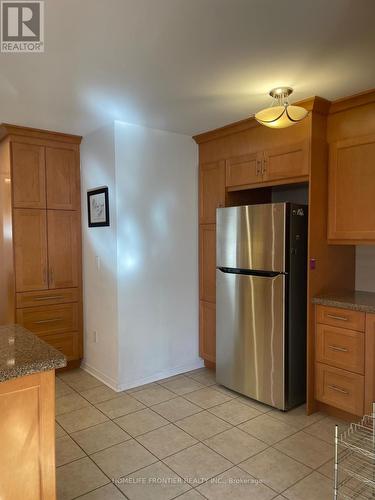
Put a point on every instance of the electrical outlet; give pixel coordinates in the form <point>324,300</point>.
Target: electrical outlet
<point>95,336</point>
<point>98,263</point>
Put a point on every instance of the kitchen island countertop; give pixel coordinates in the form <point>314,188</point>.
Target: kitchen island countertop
<point>355,300</point>
<point>23,353</point>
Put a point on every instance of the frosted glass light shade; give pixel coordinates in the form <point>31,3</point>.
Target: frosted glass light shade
<point>281,116</point>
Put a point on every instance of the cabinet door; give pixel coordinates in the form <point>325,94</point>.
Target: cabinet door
<point>286,162</point>
<point>211,190</point>
<point>207,331</point>
<point>243,170</point>
<point>27,430</point>
<point>351,209</point>
<point>63,248</point>
<point>207,274</point>
<point>30,249</point>
<point>28,176</point>
<point>369,363</point>
<point>62,172</point>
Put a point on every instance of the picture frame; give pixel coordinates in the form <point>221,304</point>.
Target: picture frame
<point>98,207</point>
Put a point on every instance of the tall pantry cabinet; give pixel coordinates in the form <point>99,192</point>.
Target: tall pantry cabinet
<point>44,178</point>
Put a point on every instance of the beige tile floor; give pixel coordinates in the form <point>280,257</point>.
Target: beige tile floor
<point>185,437</point>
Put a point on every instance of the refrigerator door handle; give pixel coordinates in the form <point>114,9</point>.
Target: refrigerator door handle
<point>250,272</point>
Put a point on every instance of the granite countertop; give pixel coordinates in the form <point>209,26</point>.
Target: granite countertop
<point>23,353</point>
<point>356,300</point>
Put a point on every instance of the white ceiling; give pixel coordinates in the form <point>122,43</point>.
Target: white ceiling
<point>184,65</point>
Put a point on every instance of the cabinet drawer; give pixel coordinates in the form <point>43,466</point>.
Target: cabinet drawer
<point>342,318</point>
<point>340,347</point>
<point>339,388</point>
<point>49,319</point>
<point>47,297</point>
<point>67,343</point>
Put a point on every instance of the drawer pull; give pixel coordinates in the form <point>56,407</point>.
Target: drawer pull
<point>337,348</point>
<point>52,320</point>
<point>338,389</point>
<point>49,297</point>
<point>339,318</point>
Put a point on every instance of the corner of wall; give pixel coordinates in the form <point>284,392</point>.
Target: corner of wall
<point>100,260</point>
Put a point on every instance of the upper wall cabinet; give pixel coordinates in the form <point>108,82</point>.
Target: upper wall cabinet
<point>62,179</point>
<point>289,163</point>
<point>245,169</point>
<point>351,214</point>
<point>28,176</point>
<point>286,162</point>
<point>211,190</point>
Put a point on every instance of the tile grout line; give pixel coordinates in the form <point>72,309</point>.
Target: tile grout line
<point>174,422</point>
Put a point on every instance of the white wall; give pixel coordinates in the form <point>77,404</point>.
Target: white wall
<point>157,248</point>
<point>143,302</point>
<point>100,285</point>
<point>365,268</point>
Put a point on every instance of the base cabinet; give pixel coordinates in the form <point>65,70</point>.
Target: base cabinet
<point>27,435</point>
<point>345,359</point>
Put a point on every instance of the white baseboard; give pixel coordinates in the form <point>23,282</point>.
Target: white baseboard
<point>109,381</point>
<point>162,374</point>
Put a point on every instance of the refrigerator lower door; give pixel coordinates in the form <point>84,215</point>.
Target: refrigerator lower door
<point>250,336</point>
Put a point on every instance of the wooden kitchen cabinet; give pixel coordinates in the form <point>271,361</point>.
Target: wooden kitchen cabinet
<point>245,169</point>
<point>62,178</point>
<point>286,162</point>
<point>345,359</point>
<point>351,210</point>
<point>289,163</point>
<point>369,362</point>
<point>207,274</point>
<point>27,430</point>
<point>46,238</point>
<point>63,248</point>
<point>207,337</point>
<point>211,190</point>
<point>28,176</point>
<point>30,249</point>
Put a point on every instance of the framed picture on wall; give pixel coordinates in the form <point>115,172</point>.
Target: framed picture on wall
<point>98,207</point>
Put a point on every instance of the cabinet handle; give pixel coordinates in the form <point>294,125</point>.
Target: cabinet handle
<point>264,169</point>
<point>49,297</point>
<point>259,167</point>
<point>50,276</point>
<point>52,320</point>
<point>337,348</point>
<point>45,277</point>
<point>338,389</point>
<point>339,318</point>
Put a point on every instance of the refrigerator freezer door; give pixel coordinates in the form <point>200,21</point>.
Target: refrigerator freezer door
<point>250,336</point>
<point>252,237</point>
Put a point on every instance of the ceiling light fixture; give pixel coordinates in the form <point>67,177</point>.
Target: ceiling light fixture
<point>281,114</point>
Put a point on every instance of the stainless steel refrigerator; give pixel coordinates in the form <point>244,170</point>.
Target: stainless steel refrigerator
<point>261,302</point>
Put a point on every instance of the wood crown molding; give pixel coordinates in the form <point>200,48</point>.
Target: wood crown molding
<point>16,130</point>
<point>360,99</point>
<point>316,104</point>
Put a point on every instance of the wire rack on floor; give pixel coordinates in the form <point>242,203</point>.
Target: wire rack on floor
<point>355,461</point>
